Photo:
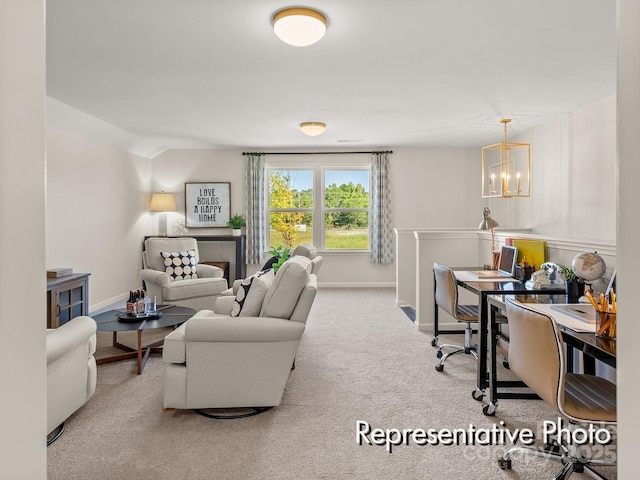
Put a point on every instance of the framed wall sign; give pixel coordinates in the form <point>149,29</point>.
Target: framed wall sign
<point>207,204</point>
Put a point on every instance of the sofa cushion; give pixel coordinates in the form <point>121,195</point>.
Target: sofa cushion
<point>287,284</point>
<point>251,293</point>
<point>180,265</point>
<point>199,287</point>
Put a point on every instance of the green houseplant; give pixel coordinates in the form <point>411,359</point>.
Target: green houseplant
<point>574,285</point>
<point>282,254</point>
<point>236,222</point>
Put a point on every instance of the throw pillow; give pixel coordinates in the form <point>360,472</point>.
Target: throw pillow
<point>180,265</point>
<point>251,293</point>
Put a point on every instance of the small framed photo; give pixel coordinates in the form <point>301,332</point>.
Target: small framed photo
<point>207,204</point>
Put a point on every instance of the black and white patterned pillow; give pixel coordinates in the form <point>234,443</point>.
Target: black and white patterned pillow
<point>251,293</point>
<point>180,265</point>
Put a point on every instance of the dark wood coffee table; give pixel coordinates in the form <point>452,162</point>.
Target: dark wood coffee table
<point>172,316</point>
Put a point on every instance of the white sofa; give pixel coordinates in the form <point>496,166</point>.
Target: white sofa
<point>71,370</point>
<point>199,293</point>
<point>215,360</point>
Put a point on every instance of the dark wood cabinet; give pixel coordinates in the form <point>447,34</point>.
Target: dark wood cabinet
<point>67,298</point>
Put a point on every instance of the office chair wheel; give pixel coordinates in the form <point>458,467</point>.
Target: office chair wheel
<point>477,394</point>
<point>439,354</point>
<point>439,368</point>
<point>505,364</point>
<point>504,464</point>
<point>489,410</point>
<point>434,342</point>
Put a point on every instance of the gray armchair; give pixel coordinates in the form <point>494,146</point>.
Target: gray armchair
<point>71,371</point>
<point>216,361</point>
<point>168,273</point>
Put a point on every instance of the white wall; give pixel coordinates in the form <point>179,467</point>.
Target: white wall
<point>173,168</point>
<point>573,177</point>
<point>97,213</point>
<point>22,215</point>
<point>628,233</point>
<point>436,188</point>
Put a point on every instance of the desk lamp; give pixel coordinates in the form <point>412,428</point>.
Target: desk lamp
<point>163,203</point>
<point>489,223</point>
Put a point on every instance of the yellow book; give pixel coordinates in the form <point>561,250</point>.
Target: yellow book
<point>534,251</point>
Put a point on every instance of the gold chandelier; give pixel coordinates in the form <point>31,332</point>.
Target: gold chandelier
<point>506,168</point>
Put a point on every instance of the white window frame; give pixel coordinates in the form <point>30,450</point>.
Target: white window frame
<point>319,210</point>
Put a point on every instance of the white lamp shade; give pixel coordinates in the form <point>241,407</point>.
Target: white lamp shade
<point>313,129</point>
<point>299,27</point>
<point>163,202</point>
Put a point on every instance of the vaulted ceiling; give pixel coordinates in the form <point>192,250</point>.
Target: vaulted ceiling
<point>407,73</point>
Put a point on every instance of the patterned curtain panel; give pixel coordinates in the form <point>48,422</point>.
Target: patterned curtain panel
<point>381,240</point>
<point>256,208</point>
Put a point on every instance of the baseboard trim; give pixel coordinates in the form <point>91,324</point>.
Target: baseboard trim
<point>108,303</point>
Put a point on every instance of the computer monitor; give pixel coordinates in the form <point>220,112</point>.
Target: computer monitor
<point>508,257</point>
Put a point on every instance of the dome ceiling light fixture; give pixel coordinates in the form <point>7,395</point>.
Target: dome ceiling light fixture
<point>313,129</point>
<point>299,26</point>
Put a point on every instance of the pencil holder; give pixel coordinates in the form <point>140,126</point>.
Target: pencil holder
<point>606,324</point>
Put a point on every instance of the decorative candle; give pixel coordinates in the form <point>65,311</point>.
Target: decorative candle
<point>518,182</point>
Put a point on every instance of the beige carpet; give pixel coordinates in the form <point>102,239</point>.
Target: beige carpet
<point>361,360</point>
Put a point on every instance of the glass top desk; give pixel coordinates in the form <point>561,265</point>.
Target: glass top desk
<point>483,288</point>
<point>593,347</point>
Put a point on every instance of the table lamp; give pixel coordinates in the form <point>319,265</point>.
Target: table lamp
<point>488,223</point>
<point>163,203</point>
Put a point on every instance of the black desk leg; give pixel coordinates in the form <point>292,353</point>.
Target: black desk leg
<point>589,364</point>
<point>569,359</point>
<point>478,393</point>
<point>490,409</point>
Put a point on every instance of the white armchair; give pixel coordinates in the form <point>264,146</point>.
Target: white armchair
<point>168,265</point>
<point>71,371</point>
<point>311,252</point>
<point>218,361</point>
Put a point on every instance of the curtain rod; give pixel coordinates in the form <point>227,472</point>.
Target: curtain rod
<point>317,153</point>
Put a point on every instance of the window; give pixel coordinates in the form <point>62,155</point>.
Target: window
<point>326,206</point>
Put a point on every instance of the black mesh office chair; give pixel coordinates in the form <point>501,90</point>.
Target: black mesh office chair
<point>536,355</point>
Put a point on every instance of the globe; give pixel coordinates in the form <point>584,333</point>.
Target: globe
<point>589,266</point>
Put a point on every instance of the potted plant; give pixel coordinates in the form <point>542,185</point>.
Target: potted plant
<point>280,255</point>
<point>573,284</point>
<point>236,222</point>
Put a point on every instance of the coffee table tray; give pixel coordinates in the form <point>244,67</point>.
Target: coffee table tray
<point>125,317</point>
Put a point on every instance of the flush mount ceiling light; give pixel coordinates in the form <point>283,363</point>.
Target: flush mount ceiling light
<point>299,27</point>
<point>313,129</point>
